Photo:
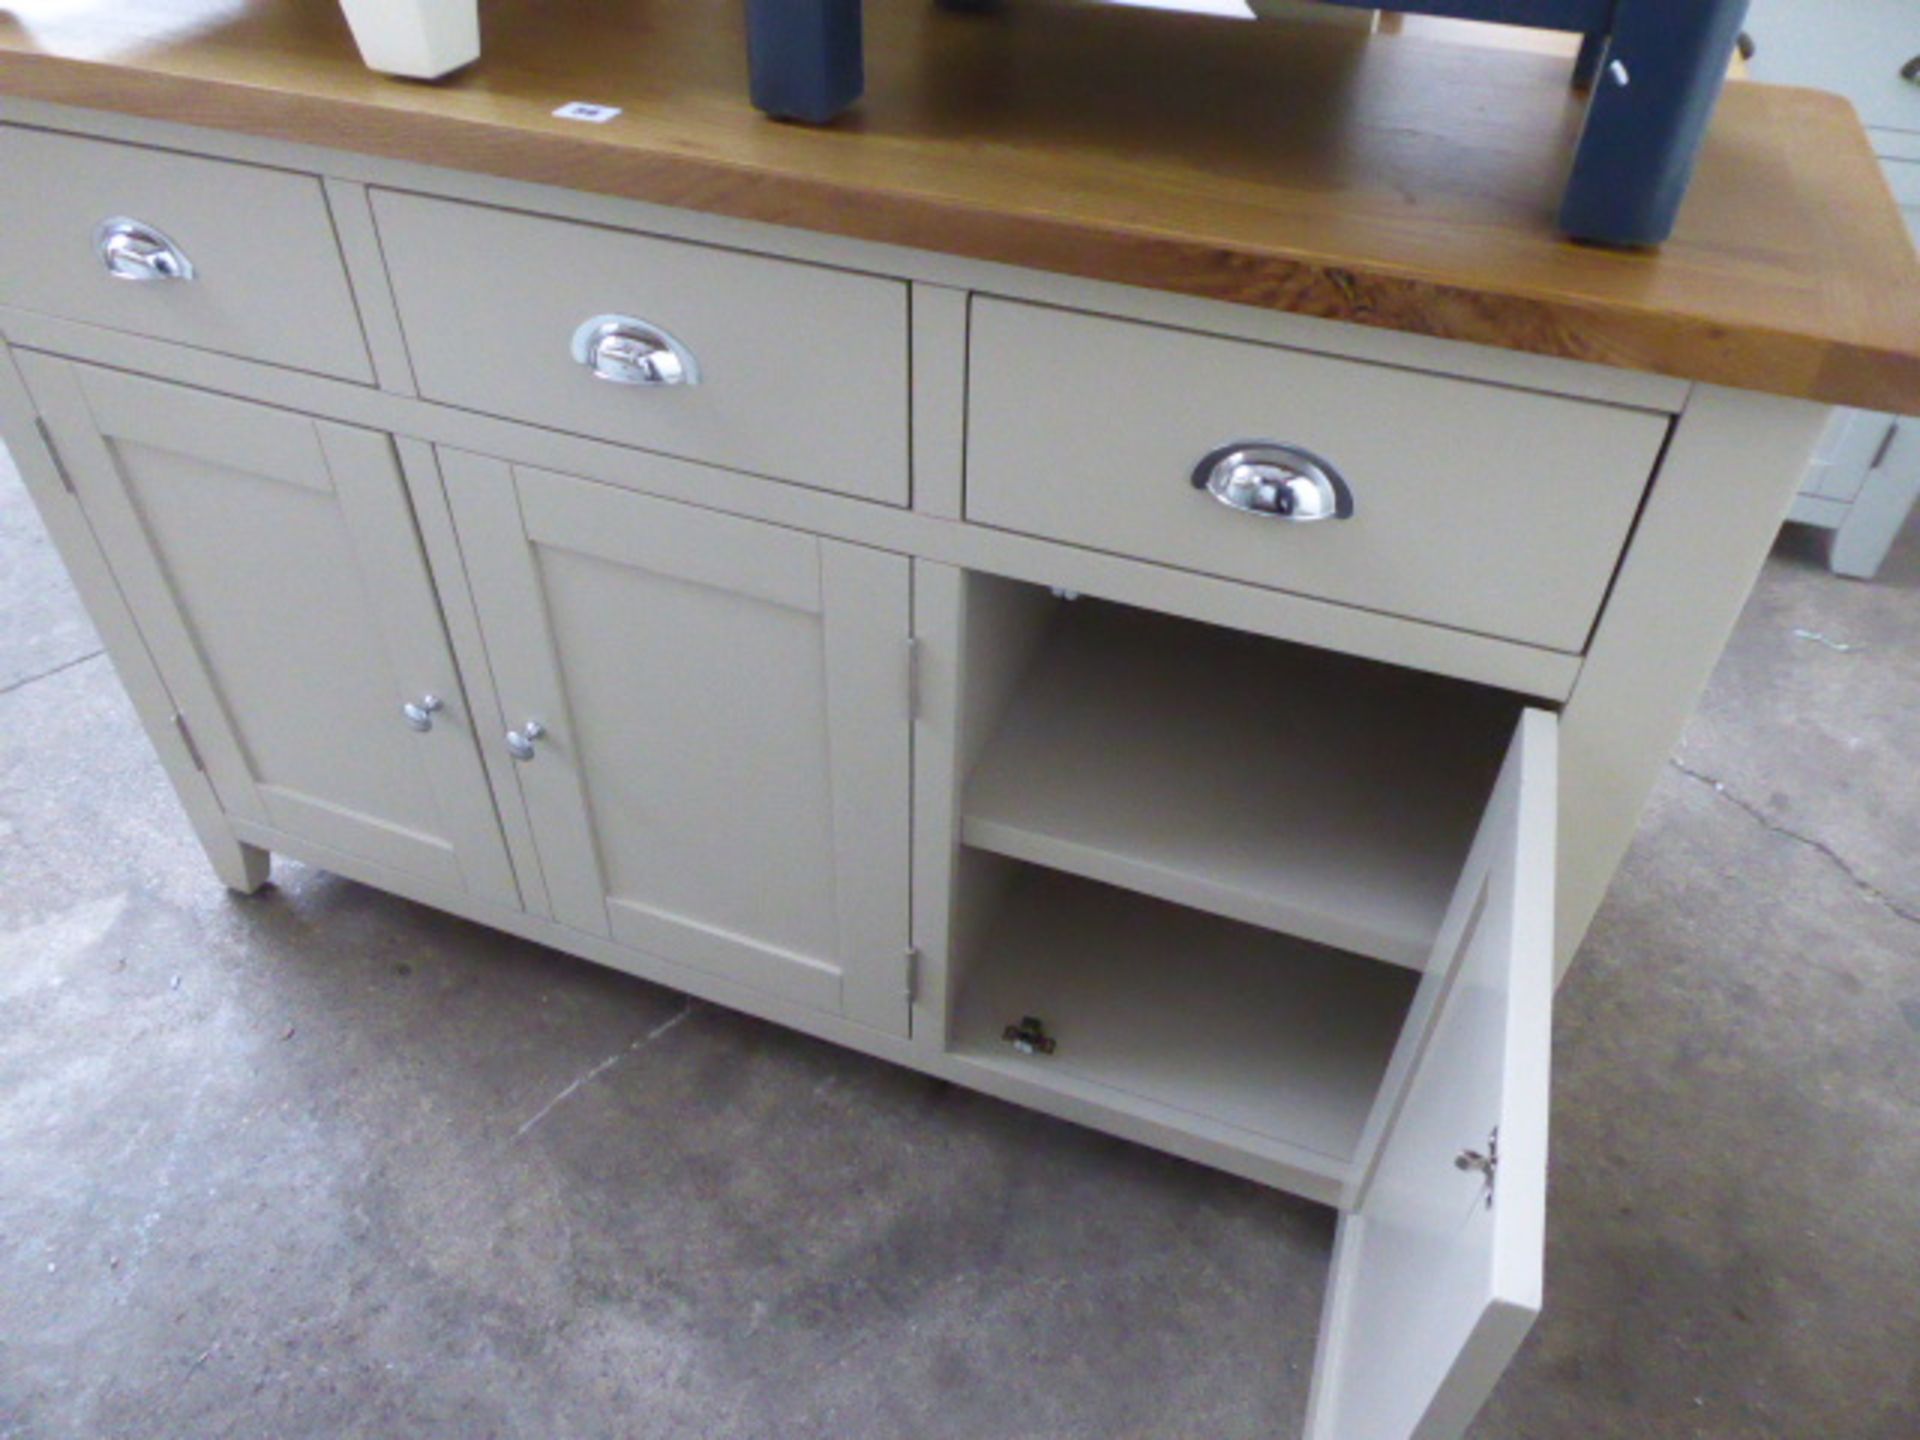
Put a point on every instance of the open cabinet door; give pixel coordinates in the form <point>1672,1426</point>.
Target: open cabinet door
<point>1437,1268</point>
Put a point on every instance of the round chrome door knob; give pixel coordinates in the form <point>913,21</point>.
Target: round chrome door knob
<point>419,713</point>
<point>134,250</point>
<point>1275,481</point>
<point>520,742</point>
<point>625,351</point>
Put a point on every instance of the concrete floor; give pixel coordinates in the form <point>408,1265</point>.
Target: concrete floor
<point>323,1163</point>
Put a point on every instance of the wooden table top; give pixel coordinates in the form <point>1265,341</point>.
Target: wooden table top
<point>1395,180</point>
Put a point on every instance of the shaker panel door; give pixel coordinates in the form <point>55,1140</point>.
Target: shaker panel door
<point>1437,1266</point>
<point>272,562</point>
<point>717,766</point>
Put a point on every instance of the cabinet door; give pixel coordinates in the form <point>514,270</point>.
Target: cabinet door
<point>1437,1266</point>
<point>721,777</point>
<point>273,565</point>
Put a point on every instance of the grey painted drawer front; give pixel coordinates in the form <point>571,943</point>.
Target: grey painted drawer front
<point>268,284</point>
<point>802,369</point>
<point>1478,507</point>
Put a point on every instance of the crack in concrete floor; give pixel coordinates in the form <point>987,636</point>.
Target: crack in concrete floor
<point>1766,822</point>
<point>48,674</point>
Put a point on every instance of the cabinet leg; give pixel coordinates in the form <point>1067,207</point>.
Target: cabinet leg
<point>804,57</point>
<point>1875,518</point>
<point>1664,66</point>
<point>242,868</point>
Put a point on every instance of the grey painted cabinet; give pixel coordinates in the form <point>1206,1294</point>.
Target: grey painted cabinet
<point>875,687</point>
<point>708,717</point>
<point>273,566</point>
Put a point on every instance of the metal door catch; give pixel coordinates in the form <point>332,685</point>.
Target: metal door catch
<point>1029,1037</point>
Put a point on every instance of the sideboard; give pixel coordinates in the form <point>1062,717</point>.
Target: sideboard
<point>1051,594</point>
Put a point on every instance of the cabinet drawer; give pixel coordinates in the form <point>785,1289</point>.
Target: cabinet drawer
<point>792,370</point>
<point>263,277</point>
<point>1474,506</point>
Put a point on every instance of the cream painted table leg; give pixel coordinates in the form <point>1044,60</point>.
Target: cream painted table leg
<point>424,39</point>
<point>242,868</point>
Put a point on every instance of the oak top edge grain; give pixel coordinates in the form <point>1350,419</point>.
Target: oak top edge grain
<point>1392,181</point>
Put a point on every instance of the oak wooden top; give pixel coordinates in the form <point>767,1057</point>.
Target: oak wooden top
<point>1392,181</point>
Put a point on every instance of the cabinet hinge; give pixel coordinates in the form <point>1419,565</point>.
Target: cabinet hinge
<point>1484,1162</point>
<point>186,738</point>
<point>912,956</point>
<point>913,677</point>
<point>53,454</point>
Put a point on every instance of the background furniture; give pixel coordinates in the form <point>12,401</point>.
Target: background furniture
<point>1862,485</point>
<point>879,582</point>
<point>1655,70</point>
<point>421,39</point>
<point>1866,478</point>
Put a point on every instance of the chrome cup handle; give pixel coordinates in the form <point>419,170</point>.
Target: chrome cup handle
<point>133,250</point>
<point>625,351</point>
<point>1274,481</point>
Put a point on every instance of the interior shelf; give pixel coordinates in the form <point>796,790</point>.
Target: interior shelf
<point>1260,1037</point>
<point>1330,797</point>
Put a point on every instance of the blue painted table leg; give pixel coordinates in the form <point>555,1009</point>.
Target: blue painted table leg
<point>1593,49</point>
<point>1665,63</point>
<point>804,57</point>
